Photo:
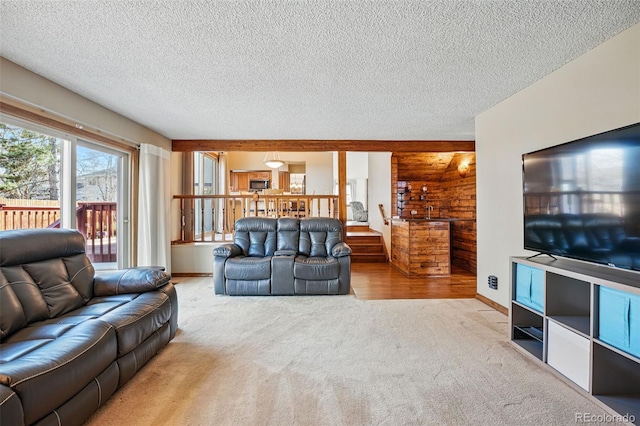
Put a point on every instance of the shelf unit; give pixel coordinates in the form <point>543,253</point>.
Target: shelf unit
<point>581,304</point>
<point>410,197</point>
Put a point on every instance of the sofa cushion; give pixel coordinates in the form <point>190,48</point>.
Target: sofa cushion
<point>11,314</point>
<point>249,287</point>
<point>60,361</point>
<point>33,302</point>
<point>256,236</point>
<point>85,402</point>
<point>248,268</point>
<point>136,318</point>
<point>316,268</point>
<point>317,286</point>
<point>51,243</point>
<point>132,280</point>
<point>288,234</point>
<point>49,288</point>
<point>318,236</point>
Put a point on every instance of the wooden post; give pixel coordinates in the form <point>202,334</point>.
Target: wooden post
<point>342,191</point>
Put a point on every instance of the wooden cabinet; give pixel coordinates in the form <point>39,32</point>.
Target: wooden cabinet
<point>421,247</point>
<point>284,181</point>
<point>239,181</point>
<point>260,175</point>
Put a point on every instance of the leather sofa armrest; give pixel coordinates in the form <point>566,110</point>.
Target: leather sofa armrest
<point>284,253</point>
<point>133,280</point>
<point>227,250</point>
<point>341,250</point>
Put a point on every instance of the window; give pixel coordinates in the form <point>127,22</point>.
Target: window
<point>54,180</point>
<point>29,178</point>
<point>205,166</point>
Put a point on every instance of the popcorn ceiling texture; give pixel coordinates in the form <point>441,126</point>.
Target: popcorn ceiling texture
<point>304,69</point>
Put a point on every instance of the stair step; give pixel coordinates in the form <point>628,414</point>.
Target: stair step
<point>366,248</point>
<point>368,258</point>
<point>364,239</point>
<point>366,245</point>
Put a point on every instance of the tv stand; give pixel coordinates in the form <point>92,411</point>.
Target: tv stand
<point>542,254</point>
<point>579,319</point>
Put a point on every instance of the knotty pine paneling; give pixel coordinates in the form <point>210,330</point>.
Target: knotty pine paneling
<point>421,249</point>
<point>451,196</point>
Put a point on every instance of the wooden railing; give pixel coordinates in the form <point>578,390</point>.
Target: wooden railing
<point>20,217</point>
<point>95,220</point>
<point>210,218</point>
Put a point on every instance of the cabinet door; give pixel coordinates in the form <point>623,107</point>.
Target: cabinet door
<point>233,182</point>
<point>569,353</point>
<point>530,287</point>
<point>242,181</point>
<point>259,176</point>
<point>284,181</point>
<point>619,319</point>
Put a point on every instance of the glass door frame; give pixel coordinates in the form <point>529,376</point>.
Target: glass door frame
<point>123,205</point>
<point>68,181</point>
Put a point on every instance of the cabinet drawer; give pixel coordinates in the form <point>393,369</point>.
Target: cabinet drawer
<point>568,352</point>
<point>619,319</point>
<point>530,287</point>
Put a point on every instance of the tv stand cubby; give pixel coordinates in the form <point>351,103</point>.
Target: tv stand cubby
<point>583,321</point>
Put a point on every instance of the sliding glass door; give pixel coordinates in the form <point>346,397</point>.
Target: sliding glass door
<point>101,203</point>
<point>50,179</point>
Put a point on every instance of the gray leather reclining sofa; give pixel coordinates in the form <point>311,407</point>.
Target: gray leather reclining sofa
<point>69,338</point>
<point>285,256</point>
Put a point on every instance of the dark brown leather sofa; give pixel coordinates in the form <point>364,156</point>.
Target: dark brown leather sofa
<point>69,338</point>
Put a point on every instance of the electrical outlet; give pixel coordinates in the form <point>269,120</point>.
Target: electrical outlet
<point>493,282</point>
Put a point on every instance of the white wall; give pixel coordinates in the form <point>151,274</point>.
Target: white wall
<point>380,193</point>
<point>357,165</point>
<point>30,88</point>
<point>55,101</point>
<point>596,92</point>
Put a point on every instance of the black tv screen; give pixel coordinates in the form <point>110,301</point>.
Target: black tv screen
<point>582,199</point>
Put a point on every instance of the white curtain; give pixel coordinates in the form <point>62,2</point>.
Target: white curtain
<point>154,208</point>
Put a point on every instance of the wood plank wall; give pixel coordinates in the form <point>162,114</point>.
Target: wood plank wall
<point>451,196</point>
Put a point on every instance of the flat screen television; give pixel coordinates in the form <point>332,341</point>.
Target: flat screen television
<point>582,199</point>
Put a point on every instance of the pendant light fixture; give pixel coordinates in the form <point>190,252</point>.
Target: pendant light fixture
<point>273,160</point>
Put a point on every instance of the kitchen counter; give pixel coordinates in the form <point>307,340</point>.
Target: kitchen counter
<point>421,247</point>
<point>433,219</point>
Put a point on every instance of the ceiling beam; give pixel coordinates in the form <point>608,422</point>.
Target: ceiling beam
<point>301,145</point>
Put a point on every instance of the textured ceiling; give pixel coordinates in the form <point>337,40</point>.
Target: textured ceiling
<point>304,69</point>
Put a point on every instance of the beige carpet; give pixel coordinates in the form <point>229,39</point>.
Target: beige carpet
<point>338,360</point>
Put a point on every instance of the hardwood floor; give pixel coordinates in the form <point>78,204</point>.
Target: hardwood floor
<point>377,281</point>
<point>383,281</point>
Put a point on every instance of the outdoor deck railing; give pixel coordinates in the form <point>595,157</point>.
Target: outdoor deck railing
<point>20,217</point>
<point>208,218</point>
<point>95,220</point>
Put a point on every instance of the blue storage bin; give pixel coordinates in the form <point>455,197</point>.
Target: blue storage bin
<point>619,319</point>
<point>530,287</point>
